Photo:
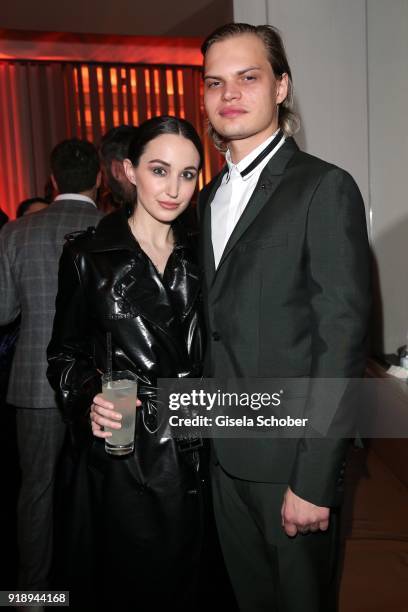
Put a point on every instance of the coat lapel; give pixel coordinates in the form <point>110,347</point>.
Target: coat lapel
<point>137,288</point>
<point>164,302</point>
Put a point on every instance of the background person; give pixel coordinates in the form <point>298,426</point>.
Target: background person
<point>30,248</point>
<point>3,218</point>
<point>116,188</point>
<point>31,205</point>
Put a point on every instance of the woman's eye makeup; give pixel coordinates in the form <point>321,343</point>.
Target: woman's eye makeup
<point>159,171</point>
<point>189,175</point>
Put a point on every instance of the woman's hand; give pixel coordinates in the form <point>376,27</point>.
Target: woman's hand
<point>103,415</point>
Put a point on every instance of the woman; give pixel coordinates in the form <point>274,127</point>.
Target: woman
<point>133,522</point>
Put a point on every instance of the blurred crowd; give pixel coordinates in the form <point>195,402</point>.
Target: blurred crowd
<point>85,183</point>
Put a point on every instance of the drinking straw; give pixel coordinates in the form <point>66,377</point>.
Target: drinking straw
<point>109,356</point>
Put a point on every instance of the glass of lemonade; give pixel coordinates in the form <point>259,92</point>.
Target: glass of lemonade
<point>120,388</point>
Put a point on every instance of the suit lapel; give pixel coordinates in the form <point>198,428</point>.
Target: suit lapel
<point>267,184</point>
<point>208,252</point>
<point>207,248</point>
<point>259,198</point>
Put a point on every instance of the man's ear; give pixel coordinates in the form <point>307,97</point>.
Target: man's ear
<point>98,179</point>
<point>282,88</point>
<point>54,183</point>
<point>129,169</point>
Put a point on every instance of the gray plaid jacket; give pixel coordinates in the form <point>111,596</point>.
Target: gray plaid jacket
<point>30,248</point>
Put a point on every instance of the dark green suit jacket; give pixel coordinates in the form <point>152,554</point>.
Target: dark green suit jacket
<point>290,298</point>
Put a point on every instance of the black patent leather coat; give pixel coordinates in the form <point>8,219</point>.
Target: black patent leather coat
<point>108,284</point>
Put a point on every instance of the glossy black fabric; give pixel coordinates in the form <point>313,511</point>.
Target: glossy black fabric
<point>134,523</point>
<point>108,284</point>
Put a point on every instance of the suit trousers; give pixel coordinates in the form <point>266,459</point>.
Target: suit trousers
<point>269,570</point>
<point>40,435</point>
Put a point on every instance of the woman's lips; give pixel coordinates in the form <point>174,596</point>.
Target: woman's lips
<point>169,205</point>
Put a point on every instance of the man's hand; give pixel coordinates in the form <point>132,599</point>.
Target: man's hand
<point>103,415</point>
<point>300,516</point>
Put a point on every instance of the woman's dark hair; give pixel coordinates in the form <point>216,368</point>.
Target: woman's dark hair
<point>157,126</point>
<point>24,206</point>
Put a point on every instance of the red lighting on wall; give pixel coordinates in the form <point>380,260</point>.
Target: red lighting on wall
<point>42,103</point>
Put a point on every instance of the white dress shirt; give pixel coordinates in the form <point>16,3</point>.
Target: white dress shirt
<point>234,193</point>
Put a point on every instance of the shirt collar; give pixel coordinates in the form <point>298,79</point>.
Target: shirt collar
<point>74,196</point>
<point>248,159</point>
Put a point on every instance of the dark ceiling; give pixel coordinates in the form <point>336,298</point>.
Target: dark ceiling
<point>134,17</point>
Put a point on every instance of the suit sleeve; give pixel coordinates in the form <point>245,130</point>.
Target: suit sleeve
<point>71,371</point>
<point>339,273</point>
<point>9,303</point>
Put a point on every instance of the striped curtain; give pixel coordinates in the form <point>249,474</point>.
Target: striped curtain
<point>33,119</point>
<point>43,103</point>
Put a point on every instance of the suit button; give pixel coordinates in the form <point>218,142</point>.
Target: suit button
<point>216,336</point>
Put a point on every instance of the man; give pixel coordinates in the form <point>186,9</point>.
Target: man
<point>3,218</point>
<point>30,206</point>
<point>113,150</point>
<point>286,267</point>
<point>30,248</point>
